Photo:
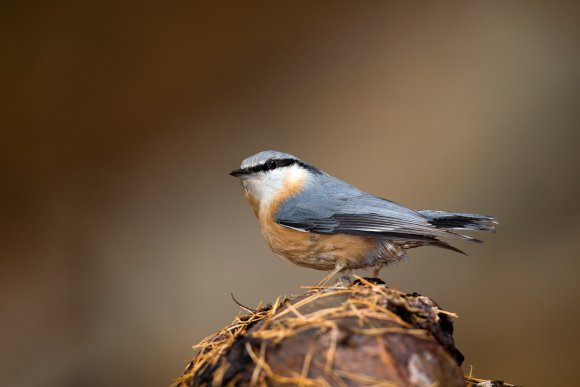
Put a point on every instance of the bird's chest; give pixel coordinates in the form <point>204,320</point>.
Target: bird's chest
<point>316,251</point>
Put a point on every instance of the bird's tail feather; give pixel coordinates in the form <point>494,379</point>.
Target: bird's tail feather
<point>460,221</point>
<point>445,245</point>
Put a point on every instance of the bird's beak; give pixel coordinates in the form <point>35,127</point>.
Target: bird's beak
<point>239,172</point>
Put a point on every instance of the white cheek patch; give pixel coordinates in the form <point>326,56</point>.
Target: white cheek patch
<point>270,185</point>
<point>295,174</point>
<point>267,186</point>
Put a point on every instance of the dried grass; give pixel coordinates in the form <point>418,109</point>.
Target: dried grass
<point>272,324</point>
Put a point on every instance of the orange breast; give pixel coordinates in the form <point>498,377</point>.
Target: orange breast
<point>319,251</point>
<point>312,250</point>
<point>254,203</point>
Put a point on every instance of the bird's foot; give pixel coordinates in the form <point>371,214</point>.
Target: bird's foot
<point>345,279</point>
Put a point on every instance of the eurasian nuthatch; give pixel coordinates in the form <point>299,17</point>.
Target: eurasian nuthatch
<point>318,221</point>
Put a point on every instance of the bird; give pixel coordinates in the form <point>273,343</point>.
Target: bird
<point>318,221</point>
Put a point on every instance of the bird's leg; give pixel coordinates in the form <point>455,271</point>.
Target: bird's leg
<point>376,270</point>
<point>346,278</point>
<point>339,266</point>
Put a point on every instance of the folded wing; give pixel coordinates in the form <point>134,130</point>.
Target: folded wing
<point>334,207</point>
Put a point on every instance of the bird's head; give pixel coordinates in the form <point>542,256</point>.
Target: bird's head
<point>268,174</point>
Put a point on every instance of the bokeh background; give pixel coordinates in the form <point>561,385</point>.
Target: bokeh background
<point>123,235</point>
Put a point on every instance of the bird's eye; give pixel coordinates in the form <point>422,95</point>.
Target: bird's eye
<point>271,164</point>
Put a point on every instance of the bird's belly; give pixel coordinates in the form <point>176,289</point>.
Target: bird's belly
<point>319,251</point>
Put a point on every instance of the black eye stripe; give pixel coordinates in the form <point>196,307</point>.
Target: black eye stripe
<point>273,164</point>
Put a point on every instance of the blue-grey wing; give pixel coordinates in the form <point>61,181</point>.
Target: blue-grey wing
<point>330,206</point>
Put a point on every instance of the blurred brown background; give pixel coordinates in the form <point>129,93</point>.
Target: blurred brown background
<point>123,235</point>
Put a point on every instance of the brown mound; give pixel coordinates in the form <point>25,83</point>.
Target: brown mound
<point>363,334</point>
